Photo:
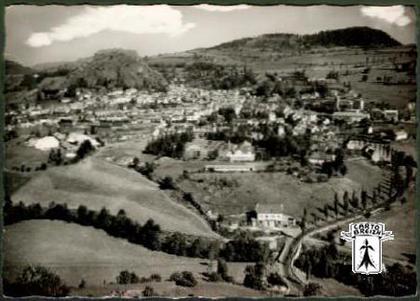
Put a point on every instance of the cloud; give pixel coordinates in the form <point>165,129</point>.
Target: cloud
<point>390,14</point>
<point>123,18</point>
<point>220,8</point>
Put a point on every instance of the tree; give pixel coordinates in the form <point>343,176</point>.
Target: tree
<point>84,149</point>
<point>254,276</point>
<point>82,283</point>
<point>222,268</point>
<point>364,199</point>
<point>149,292</point>
<point>147,170</point>
<point>134,163</point>
<point>346,202</point>
<point>311,289</point>
<point>326,213</point>
<point>125,277</point>
<point>303,221</point>
<point>82,213</point>
<point>55,157</point>
<point>36,280</point>
<point>167,183</point>
<point>355,200</point>
<point>103,220</point>
<point>336,203</point>
<point>184,279</point>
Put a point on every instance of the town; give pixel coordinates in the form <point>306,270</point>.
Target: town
<point>213,176</point>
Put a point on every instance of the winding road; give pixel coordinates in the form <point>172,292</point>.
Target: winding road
<point>291,250</point>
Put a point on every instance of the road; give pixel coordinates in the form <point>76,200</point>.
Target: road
<point>292,248</point>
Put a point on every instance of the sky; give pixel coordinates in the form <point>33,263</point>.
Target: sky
<point>40,34</point>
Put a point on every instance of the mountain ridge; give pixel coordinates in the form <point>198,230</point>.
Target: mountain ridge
<point>357,36</point>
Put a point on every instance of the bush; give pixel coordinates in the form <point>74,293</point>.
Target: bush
<point>311,289</point>
<point>82,283</point>
<point>276,279</point>
<point>167,183</point>
<point>37,281</point>
<point>156,277</point>
<point>184,279</point>
<point>149,292</point>
<point>214,277</point>
<point>125,277</point>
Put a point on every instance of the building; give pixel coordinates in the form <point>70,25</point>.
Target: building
<point>319,158</point>
<point>391,115</point>
<point>230,168</point>
<point>243,152</point>
<point>401,135</point>
<point>350,117</point>
<point>272,216</point>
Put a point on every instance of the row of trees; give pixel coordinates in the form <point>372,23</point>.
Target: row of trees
<point>327,262</point>
<point>149,234</point>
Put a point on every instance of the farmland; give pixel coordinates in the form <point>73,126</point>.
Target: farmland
<point>245,189</point>
<point>88,253</point>
<point>96,184</point>
<point>75,252</point>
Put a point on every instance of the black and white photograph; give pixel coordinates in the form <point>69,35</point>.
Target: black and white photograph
<point>209,150</point>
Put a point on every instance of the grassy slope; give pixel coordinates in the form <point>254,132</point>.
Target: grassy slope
<point>279,188</point>
<point>402,222</point>
<point>76,252</point>
<point>96,183</point>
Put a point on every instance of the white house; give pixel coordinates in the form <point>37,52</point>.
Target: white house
<point>272,216</point>
<point>401,135</point>
<point>238,153</point>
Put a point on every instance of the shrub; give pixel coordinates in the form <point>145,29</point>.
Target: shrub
<point>167,183</point>
<point>82,283</point>
<point>156,277</point>
<point>184,279</point>
<point>38,281</point>
<point>311,289</point>
<point>214,277</point>
<point>276,279</point>
<point>125,277</point>
<point>149,292</point>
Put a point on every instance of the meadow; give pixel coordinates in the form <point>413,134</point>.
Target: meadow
<point>244,190</point>
<point>96,183</point>
<point>76,252</point>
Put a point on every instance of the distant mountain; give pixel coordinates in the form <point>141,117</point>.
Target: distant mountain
<point>116,68</point>
<point>347,37</point>
<point>14,68</point>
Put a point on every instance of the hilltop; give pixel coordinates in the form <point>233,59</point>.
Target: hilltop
<point>14,68</point>
<point>348,37</point>
<point>117,68</point>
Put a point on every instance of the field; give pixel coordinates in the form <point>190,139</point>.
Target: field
<point>76,252</point>
<point>244,190</point>
<point>401,220</point>
<point>97,183</point>
<point>17,153</point>
<point>349,62</point>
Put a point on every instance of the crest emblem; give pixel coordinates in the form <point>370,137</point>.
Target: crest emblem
<point>366,239</point>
